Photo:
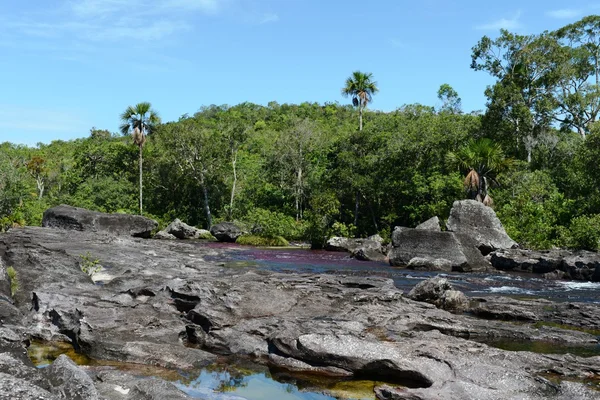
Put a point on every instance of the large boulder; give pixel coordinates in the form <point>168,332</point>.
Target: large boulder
<point>473,219</point>
<point>81,219</point>
<point>226,232</point>
<point>70,380</point>
<point>431,250</point>
<point>432,224</point>
<point>439,291</point>
<point>181,230</point>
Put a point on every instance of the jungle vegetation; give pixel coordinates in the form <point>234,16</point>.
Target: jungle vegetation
<point>309,171</point>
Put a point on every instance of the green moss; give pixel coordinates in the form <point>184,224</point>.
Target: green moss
<point>207,236</point>
<point>14,281</point>
<point>262,241</point>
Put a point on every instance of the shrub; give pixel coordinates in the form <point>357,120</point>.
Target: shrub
<point>255,240</point>
<point>88,264</point>
<point>14,281</point>
<point>583,233</point>
<point>271,224</point>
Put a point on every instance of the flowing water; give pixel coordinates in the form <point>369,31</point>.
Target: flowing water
<point>299,260</point>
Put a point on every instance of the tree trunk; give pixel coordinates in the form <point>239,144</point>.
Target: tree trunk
<point>581,131</point>
<point>356,197</point>
<point>233,164</point>
<point>206,206</point>
<point>298,194</point>
<point>40,185</point>
<point>360,117</point>
<point>140,163</point>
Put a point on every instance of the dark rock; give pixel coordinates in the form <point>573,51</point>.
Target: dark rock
<point>181,230</point>
<point>80,219</point>
<point>12,387</point>
<point>69,380</point>
<point>226,232</point>
<point>432,224</point>
<point>473,219</point>
<point>432,249</point>
<point>558,264</point>
<point>430,264</point>
<point>430,290</point>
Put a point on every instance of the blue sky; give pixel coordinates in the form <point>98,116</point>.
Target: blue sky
<point>68,65</point>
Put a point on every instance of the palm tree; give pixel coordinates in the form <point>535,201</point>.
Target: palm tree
<point>361,88</point>
<point>139,120</point>
<point>483,160</point>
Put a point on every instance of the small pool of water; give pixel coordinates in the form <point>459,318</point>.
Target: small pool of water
<point>222,380</point>
<point>301,260</point>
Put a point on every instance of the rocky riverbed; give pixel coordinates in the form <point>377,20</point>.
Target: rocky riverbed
<point>173,304</point>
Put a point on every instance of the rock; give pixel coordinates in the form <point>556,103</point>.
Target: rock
<point>156,389</point>
<point>12,387</point>
<point>473,219</point>
<point>69,380</point>
<point>226,232</point>
<point>553,264</point>
<point>166,300</point>
<point>435,249</point>
<point>454,301</point>
<point>181,230</point>
<point>430,264</point>
<point>164,235</point>
<point>432,224</point>
<point>80,219</point>
<point>430,290</point>
<point>361,249</point>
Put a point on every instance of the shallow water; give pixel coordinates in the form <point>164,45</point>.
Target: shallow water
<point>223,380</point>
<point>300,260</point>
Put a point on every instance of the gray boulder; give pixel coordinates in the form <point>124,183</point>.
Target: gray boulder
<point>369,249</point>
<point>432,224</point>
<point>80,219</point>
<point>70,380</point>
<point>156,389</point>
<point>181,230</point>
<point>439,292</point>
<point>226,232</point>
<point>434,249</point>
<point>473,219</point>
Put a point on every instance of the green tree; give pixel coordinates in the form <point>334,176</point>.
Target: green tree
<point>140,120</point>
<point>483,159</point>
<point>361,88</point>
<point>451,102</point>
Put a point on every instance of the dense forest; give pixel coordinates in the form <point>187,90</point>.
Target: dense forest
<point>310,171</point>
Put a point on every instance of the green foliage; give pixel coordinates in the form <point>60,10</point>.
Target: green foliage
<point>271,224</point>
<point>14,281</point>
<point>89,264</point>
<point>532,209</point>
<point>262,241</point>
<point>583,233</point>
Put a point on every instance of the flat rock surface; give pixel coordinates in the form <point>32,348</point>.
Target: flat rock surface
<point>161,297</point>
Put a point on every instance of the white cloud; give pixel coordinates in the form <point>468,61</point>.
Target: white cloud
<point>269,17</point>
<point>565,13</point>
<point>502,23</point>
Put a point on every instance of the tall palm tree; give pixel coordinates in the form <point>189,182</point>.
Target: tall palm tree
<point>483,160</point>
<point>139,120</point>
<point>361,88</point>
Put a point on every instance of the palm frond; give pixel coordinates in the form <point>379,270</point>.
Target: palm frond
<point>488,201</point>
